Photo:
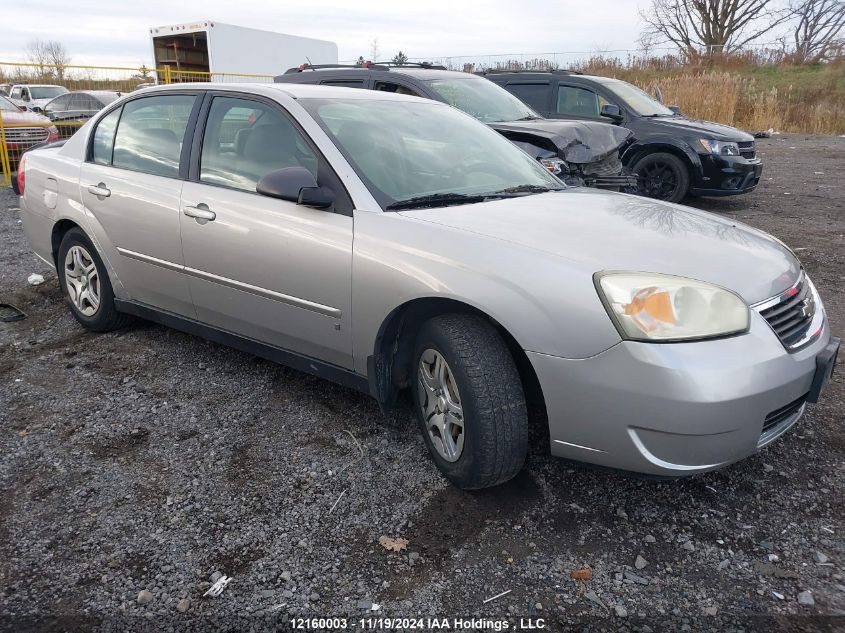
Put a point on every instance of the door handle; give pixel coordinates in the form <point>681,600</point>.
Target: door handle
<point>199,212</point>
<point>100,190</point>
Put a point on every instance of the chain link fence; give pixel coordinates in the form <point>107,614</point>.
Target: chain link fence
<point>26,119</point>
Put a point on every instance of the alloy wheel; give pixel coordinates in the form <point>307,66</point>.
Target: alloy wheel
<point>657,179</point>
<point>441,407</point>
<point>82,280</point>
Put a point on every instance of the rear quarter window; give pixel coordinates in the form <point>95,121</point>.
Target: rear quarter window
<point>104,138</point>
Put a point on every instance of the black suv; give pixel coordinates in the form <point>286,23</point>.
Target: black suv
<point>578,152</point>
<point>672,155</point>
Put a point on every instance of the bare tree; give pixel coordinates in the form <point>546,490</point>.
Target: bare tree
<point>374,52</point>
<point>717,26</point>
<point>50,56</point>
<point>818,29</point>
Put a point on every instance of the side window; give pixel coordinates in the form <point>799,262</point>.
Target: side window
<point>149,137</point>
<point>534,95</point>
<point>386,86</point>
<point>245,140</point>
<point>16,93</point>
<point>25,94</point>
<point>104,138</point>
<point>577,102</point>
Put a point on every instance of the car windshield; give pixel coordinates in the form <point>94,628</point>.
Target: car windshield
<point>482,99</point>
<point>637,100</point>
<point>46,92</point>
<point>7,106</point>
<point>417,153</point>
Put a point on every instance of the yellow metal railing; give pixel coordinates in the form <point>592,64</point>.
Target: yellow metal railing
<point>86,78</point>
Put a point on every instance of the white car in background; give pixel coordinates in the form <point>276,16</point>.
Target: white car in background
<point>35,96</point>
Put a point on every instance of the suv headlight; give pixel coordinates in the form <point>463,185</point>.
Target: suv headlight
<point>655,307</point>
<point>725,148</point>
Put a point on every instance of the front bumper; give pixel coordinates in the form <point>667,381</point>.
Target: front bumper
<point>676,409</point>
<point>726,175</point>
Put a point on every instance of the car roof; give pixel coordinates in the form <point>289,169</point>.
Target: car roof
<point>293,90</point>
<point>535,74</point>
<point>423,74</point>
<point>40,85</point>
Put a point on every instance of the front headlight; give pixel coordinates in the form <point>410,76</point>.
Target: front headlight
<point>655,307</point>
<point>725,148</point>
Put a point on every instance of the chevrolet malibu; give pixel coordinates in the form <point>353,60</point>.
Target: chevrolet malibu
<point>393,244</point>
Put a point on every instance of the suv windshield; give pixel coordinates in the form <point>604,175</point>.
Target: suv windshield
<point>637,100</point>
<point>7,106</point>
<point>482,99</point>
<point>46,92</point>
<point>409,150</point>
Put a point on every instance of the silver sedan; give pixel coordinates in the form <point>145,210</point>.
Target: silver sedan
<point>392,243</point>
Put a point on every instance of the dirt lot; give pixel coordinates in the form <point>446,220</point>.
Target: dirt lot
<point>148,460</point>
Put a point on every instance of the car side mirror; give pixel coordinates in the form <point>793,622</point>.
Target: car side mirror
<point>22,108</point>
<point>675,109</point>
<point>37,110</point>
<point>295,184</point>
<point>611,112</point>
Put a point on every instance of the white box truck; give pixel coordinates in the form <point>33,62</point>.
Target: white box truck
<point>224,49</point>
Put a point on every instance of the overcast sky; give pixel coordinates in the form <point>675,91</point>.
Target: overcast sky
<point>116,32</point>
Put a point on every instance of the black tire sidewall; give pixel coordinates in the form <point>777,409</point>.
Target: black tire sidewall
<point>678,166</point>
<point>432,338</point>
<point>106,314</point>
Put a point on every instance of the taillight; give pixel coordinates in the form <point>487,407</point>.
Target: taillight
<point>21,174</point>
<point>52,134</point>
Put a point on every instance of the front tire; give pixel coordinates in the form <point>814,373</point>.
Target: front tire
<point>86,285</point>
<point>469,401</point>
<point>662,176</point>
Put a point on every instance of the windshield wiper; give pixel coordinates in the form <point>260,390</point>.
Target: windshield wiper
<point>434,200</point>
<point>520,189</point>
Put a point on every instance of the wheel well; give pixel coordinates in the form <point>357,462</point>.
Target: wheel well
<point>654,149</point>
<point>391,364</point>
<point>59,229</point>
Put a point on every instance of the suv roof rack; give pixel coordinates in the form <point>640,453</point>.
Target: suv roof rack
<point>555,71</point>
<point>367,65</point>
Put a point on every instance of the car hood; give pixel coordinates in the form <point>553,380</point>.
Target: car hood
<point>24,118</point>
<point>608,231</point>
<point>575,141</point>
<point>707,129</point>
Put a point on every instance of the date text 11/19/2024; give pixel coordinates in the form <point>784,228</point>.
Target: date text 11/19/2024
<point>419,624</point>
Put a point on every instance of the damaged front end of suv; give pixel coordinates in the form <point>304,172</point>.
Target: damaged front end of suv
<point>581,153</point>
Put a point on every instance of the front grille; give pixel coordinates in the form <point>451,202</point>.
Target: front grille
<point>29,135</point>
<point>791,314</point>
<point>778,416</point>
<point>747,150</point>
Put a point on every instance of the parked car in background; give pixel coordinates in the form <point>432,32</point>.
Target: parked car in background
<point>72,109</point>
<point>673,155</point>
<point>577,152</point>
<point>389,242</point>
<point>35,96</point>
<point>23,129</point>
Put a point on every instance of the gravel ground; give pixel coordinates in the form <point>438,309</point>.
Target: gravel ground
<point>137,466</point>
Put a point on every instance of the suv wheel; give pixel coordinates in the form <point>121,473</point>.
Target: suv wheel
<point>469,401</point>
<point>662,176</point>
<point>86,285</point>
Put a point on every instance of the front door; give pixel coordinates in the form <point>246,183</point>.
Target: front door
<point>260,267</point>
<point>131,188</point>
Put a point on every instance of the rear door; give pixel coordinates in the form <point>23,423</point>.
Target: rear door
<point>131,186</point>
<point>260,267</point>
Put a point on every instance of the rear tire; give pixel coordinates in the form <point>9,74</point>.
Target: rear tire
<point>469,401</point>
<point>662,176</point>
<point>86,285</point>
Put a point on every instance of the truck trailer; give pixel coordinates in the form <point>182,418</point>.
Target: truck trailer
<point>193,49</point>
